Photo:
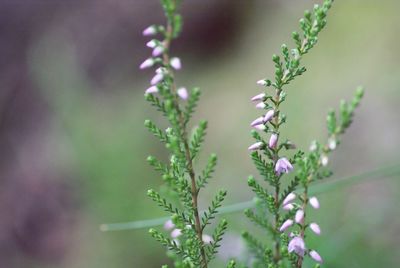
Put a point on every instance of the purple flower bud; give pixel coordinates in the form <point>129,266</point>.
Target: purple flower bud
<point>316,257</point>
<point>283,166</point>
<point>176,233</point>
<point>297,245</point>
<point>269,115</point>
<point>151,30</point>
<point>257,121</point>
<point>286,225</point>
<point>157,51</point>
<point>314,202</point>
<point>176,63</point>
<point>157,78</point>
<point>255,146</point>
<point>273,140</point>
<point>261,105</point>
<point>261,82</point>
<point>260,127</point>
<point>147,63</point>
<point>289,198</point>
<point>207,239</point>
<point>259,97</point>
<point>315,228</point>
<point>182,93</point>
<point>151,43</point>
<point>169,225</point>
<point>289,206</point>
<point>299,217</point>
<point>151,90</point>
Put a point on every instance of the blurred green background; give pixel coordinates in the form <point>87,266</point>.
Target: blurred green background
<point>73,144</point>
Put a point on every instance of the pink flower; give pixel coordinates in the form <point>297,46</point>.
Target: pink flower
<point>176,63</point>
<point>259,97</point>
<point>283,166</point>
<point>157,78</point>
<point>297,245</point>
<point>316,257</point>
<point>257,121</point>
<point>261,105</point>
<point>169,225</point>
<point>261,82</point>
<point>157,51</point>
<point>176,233</point>
<point>151,30</point>
<point>286,225</point>
<point>207,239</point>
<point>315,228</point>
<point>147,63</point>
<point>314,202</point>
<point>182,93</point>
<point>256,146</point>
<point>260,127</point>
<point>151,90</point>
<point>273,140</point>
<point>151,43</point>
<point>299,217</point>
<point>289,206</point>
<point>289,198</point>
<point>269,115</point>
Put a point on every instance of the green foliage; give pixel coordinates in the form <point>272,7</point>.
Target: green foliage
<point>187,246</point>
<point>272,165</point>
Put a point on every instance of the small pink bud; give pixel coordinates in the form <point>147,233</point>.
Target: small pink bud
<point>151,44</point>
<point>297,245</point>
<point>151,90</point>
<point>286,225</point>
<point>147,63</point>
<point>157,51</point>
<point>259,97</point>
<point>176,63</point>
<point>316,257</point>
<point>257,121</point>
<point>269,115</point>
<point>151,30</point>
<point>169,225</point>
<point>299,217</point>
<point>261,105</point>
<point>157,78</point>
<point>182,93</point>
<point>176,233</point>
<point>288,199</point>
<point>255,146</point>
<point>273,140</point>
<point>289,206</point>
<point>315,228</point>
<point>261,82</point>
<point>260,127</point>
<point>314,202</point>
<point>283,166</point>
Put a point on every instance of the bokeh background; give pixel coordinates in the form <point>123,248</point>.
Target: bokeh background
<point>73,145</point>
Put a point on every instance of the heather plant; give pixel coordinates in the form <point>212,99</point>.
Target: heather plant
<point>283,202</point>
<point>282,198</point>
<point>187,244</point>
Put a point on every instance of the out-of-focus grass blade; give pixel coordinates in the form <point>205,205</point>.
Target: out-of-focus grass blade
<point>380,173</point>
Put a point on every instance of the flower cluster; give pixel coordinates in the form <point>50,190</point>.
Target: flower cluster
<point>297,244</point>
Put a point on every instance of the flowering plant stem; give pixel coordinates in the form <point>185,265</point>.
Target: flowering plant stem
<point>189,246</point>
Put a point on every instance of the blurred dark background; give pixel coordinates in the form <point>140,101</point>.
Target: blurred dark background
<point>73,145</point>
